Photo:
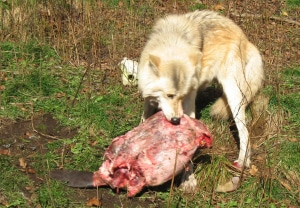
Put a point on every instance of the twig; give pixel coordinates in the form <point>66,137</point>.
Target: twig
<point>172,183</point>
<point>285,20</point>
<point>81,81</point>
<point>257,16</point>
<point>63,156</point>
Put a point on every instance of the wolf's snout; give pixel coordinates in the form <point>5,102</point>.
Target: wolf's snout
<point>175,120</point>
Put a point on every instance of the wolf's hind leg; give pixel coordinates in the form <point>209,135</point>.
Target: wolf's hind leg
<point>188,180</point>
<point>237,102</point>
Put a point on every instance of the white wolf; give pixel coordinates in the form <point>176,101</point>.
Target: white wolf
<point>187,52</point>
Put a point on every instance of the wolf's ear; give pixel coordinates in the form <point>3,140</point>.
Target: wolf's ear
<point>195,58</point>
<point>154,61</point>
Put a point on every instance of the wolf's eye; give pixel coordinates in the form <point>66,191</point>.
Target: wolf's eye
<point>171,96</point>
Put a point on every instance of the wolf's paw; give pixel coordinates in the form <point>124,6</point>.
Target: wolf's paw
<point>189,185</point>
<point>231,185</point>
<point>239,164</point>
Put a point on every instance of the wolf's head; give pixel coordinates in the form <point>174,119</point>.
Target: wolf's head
<point>171,79</point>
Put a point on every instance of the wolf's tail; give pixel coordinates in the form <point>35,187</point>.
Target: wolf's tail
<point>220,109</point>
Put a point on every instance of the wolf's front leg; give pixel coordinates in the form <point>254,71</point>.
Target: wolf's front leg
<point>189,104</point>
<point>150,108</point>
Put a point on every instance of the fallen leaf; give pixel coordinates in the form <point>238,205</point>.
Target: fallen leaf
<point>60,95</point>
<point>219,7</point>
<point>286,184</point>
<point>31,171</point>
<point>284,13</point>
<point>28,188</point>
<point>293,140</point>
<point>86,89</point>
<point>4,152</point>
<point>94,143</point>
<point>260,158</point>
<point>22,162</point>
<point>231,185</point>
<point>2,87</point>
<point>253,170</point>
<point>93,202</point>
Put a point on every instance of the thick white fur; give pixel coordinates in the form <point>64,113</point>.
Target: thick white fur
<point>187,52</point>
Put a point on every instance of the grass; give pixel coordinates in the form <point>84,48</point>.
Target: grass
<point>64,62</point>
<point>290,98</point>
<point>293,3</point>
<point>13,191</point>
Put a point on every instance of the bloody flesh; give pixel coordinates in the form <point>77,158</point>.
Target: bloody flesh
<point>145,156</point>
